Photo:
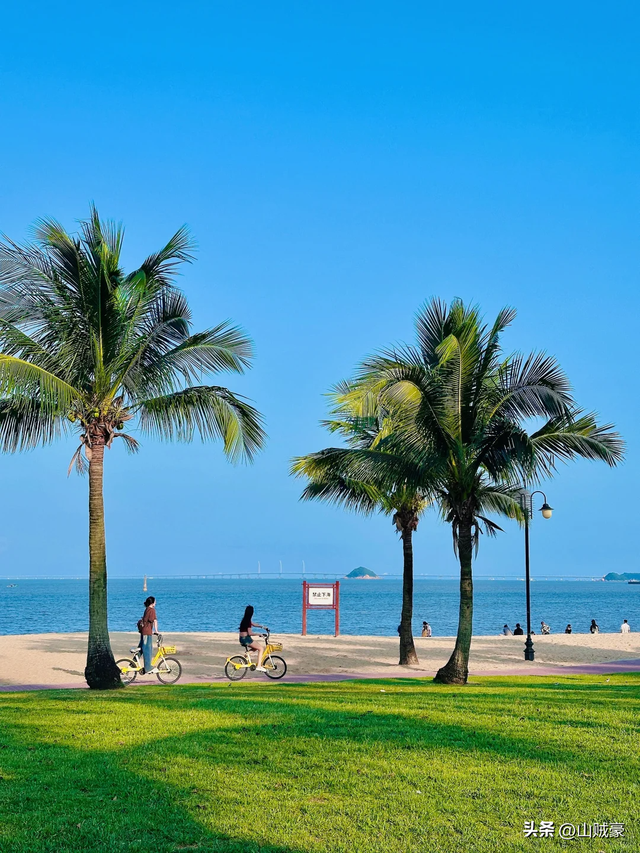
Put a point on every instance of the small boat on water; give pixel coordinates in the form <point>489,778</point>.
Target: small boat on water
<point>635,582</point>
<point>11,585</point>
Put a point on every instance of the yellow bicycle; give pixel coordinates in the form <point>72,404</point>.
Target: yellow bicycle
<point>169,669</point>
<point>236,666</point>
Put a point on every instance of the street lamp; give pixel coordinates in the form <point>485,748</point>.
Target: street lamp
<point>526,502</point>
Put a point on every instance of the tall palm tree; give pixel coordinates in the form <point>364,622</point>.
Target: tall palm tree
<point>464,435</point>
<point>328,472</point>
<point>86,347</point>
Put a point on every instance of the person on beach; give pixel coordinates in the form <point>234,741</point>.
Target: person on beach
<point>507,632</point>
<point>625,627</point>
<point>517,631</point>
<point>148,626</point>
<point>247,641</point>
<point>544,628</point>
<point>426,629</point>
<point>568,629</point>
<point>593,628</point>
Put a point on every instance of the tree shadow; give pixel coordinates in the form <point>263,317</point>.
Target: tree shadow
<point>188,765</point>
<point>428,732</point>
<point>78,801</point>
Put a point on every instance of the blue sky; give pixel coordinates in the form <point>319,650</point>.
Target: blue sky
<point>338,164</point>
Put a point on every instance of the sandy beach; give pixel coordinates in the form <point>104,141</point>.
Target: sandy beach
<point>58,659</point>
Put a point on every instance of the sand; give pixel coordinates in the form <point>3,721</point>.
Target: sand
<point>58,659</point>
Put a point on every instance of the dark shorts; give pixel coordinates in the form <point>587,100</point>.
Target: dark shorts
<point>246,641</point>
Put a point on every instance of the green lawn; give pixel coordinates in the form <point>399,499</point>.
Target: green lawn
<point>364,767</point>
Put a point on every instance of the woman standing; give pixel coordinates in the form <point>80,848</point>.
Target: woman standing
<point>148,626</point>
<point>246,640</point>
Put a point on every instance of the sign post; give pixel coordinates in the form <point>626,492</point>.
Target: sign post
<point>320,596</point>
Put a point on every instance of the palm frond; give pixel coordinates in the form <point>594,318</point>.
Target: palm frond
<point>576,434</point>
<point>212,412</point>
<point>130,443</point>
<point>351,494</point>
<point>534,386</point>
<point>24,424</point>
<point>502,500</point>
<point>491,347</point>
<point>79,461</point>
<point>432,328</point>
<point>162,266</point>
<point>21,377</point>
<point>225,347</point>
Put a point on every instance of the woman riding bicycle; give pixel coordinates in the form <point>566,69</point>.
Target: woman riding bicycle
<point>247,641</point>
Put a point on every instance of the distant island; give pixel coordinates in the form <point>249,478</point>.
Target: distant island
<point>625,576</point>
<point>363,574</point>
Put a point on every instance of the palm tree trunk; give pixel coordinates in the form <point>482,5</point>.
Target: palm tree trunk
<point>101,671</point>
<point>408,655</point>
<point>456,670</point>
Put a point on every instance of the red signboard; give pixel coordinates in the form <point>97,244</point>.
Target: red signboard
<point>320,596</point>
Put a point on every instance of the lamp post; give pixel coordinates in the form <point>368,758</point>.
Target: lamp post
<point>526,502</point>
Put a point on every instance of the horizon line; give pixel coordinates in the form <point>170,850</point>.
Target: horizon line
<point>292,576</point>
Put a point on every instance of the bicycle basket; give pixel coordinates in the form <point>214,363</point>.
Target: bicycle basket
<point>168,650</point>
<point>274,647</point>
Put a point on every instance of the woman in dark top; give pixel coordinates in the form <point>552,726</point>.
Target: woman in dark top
<point>594,627</point>
<point>148,629</point>
<point>247,641</point>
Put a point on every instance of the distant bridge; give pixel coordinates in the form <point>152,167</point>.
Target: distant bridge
<point>253,575</point>
<point>333,576</point>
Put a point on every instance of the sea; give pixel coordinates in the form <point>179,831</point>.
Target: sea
<point>371,607</point>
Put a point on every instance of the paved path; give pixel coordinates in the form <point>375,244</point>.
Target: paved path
<point>632,665</point>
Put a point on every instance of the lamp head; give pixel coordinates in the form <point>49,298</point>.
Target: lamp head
<point>546,510</point>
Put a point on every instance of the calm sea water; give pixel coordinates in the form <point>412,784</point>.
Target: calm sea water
<point>367,607</point>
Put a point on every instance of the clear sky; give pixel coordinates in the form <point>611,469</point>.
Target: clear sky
<point>338,164</point>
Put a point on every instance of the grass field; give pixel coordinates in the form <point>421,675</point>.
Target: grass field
<point>364,767</point>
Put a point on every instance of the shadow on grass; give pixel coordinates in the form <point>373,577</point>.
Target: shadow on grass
<point>468,729</point>
<point>57,798</point>
<point>177,769</point>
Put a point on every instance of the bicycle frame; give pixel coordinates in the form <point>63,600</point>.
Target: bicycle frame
<point>266,653</point>
<point>138,657</point>
<point>248,661</point>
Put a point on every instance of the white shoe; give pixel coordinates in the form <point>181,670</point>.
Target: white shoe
<point>260,669</point>
<point>152,671</point>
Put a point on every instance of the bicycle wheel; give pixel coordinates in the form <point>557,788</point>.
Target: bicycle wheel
<point>276,666</point>
<point>235,668</point>
<point>169,670</point>
<point>128,670</point>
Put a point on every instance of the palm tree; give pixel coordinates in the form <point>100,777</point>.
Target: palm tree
<point>464,433</point>
<point>86,347</point>
<point>330,480</point>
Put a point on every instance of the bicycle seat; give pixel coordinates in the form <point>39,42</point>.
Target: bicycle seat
<point>137,649</point>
